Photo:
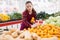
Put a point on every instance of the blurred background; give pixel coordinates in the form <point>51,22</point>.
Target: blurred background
<point>49,6</point>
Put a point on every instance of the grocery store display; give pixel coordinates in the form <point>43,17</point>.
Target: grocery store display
<point>46,25</point>
<point>10,17</point>
<point>15,16</point>
<point>56,14</point>
<point>53,20</point>
<point>4,17</point>
<point>14,34</point>
<point>50,30</point>
<point>43,15</point>
<point>46,31</point>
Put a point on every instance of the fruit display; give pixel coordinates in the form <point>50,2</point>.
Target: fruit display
<point>10,17</point>
<point>43,15</point>
<point>46,31</point>
<point>4,17</point>
<point>15,34</point>
<point>15,16</point>
<point>57,13</point>
<point>53,20</point>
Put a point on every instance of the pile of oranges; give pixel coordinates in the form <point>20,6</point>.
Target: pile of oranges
<point>46,31</point>
<point>32,20</point>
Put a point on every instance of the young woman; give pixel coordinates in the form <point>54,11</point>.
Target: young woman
<point>27,15</point>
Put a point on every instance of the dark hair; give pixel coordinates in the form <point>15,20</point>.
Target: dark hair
<point>28,2</point>
<point>33,10</point>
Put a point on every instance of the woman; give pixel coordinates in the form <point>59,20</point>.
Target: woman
<point>27,16</point>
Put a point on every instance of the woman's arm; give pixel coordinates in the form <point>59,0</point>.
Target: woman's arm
<point>35,16</point>
<point>24,18</point>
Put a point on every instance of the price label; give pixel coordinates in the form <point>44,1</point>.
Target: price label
<point>1,31</point>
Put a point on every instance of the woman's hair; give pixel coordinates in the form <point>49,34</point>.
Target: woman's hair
<point>28,2</point>
<point>33,10</point>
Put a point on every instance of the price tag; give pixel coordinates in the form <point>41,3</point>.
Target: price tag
<point>1,31</point>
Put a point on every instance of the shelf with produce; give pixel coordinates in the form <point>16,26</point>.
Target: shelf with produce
<point>45,32</point>
<point>50,30</point>
<point>8,19</point>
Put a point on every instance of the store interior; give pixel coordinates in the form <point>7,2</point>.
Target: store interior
<point>46,25</point>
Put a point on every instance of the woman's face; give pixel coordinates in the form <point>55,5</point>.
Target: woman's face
<point>29,7</point>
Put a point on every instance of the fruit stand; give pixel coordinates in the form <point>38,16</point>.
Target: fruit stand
<point>45,32</point>
<point>47,29</point>
<point>44,26</point>
<point>40,32</point>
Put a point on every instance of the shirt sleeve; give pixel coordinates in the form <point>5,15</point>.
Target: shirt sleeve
<point>24,18</point>
<point>35,16</point>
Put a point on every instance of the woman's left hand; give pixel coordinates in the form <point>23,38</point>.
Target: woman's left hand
<point>37,24</point>
<point>33,26</point>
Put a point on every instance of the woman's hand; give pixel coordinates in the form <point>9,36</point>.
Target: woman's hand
<point>33,26</point>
